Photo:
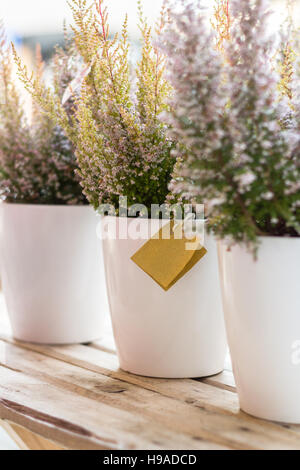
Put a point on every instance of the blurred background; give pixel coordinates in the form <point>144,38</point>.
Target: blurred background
<point>33,22</point>
<point>40,21</point>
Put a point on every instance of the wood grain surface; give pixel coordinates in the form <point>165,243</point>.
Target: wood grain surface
<point>76,397</point>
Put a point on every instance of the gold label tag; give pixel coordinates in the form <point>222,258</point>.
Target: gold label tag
<point>166,260</point>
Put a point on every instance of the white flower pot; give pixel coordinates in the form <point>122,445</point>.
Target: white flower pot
<point>174,334</point>
<point>262,311</point>
<point>52,273</point>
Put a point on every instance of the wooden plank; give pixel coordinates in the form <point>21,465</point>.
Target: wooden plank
<point>27,440</point>
<point>12,434</point>
<point>225,381</point>
<point>106,343</point>
<point>99,387</point>
<point>74,421</point>
<point>106,363</point>
<point>102,362</point>
<point>191,391</point>
<point>232,429</point>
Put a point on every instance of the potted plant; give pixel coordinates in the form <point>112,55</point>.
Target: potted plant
<point>51,269</point>
<point>242,141</point>
<point>124,154</point>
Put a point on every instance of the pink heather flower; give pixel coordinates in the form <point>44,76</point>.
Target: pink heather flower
<point>37,161</point>
<point>234,154</point>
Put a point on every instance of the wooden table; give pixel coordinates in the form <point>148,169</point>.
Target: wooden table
<point>76,397</point>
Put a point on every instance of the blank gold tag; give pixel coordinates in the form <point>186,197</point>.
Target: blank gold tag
<point>168,260</point>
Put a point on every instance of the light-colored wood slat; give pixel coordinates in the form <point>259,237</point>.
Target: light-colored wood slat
<point>99,361</point>
<point>233,428</point>
<point>27,440</point>
<point>106,348</point>
<point>225,381</point>
<point>106,363</point>
<point>75,421</point>
<point>103,389</point>
<point>105,344</point>
<point>13,435</point>
<point>102,361</point>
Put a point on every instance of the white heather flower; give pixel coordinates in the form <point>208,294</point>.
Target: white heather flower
<point>246,179</point>
<point>267,196</point>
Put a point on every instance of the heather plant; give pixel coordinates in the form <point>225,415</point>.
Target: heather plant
<point>222,23</point>
<point>287,57</point>
<point>121,142</point>
<point>286,68</point>
<point>236,158</point>
<point>37,162</point>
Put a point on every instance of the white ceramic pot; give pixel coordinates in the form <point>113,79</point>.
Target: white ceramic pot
<point>262,311</point>
<point>52,273</point>
<point>173,334</point>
